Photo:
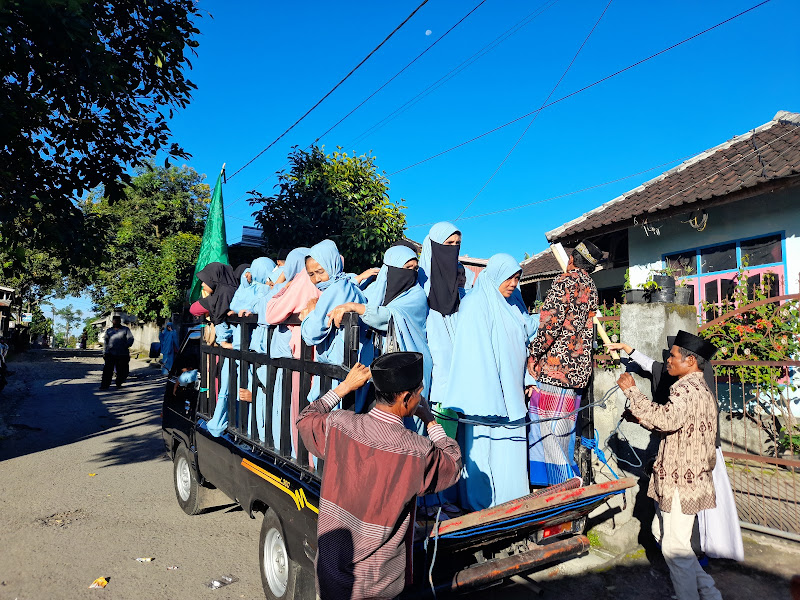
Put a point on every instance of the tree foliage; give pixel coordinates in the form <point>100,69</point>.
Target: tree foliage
<point>152,239</point>
<point>336,196</point>
<point>86,90</point>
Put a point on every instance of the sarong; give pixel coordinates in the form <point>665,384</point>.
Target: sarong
<point>720,534</point>
<point>551,444</point>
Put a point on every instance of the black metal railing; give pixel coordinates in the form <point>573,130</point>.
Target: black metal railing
<point>246,372</point>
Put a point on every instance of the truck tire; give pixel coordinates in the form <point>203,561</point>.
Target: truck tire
<point>188,490</point>
<point>281,577</point>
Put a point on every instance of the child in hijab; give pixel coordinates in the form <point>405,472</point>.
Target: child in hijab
<point>487,384</point>
<point>169,346</point>
<point>324,266</point>
<point>250,278</point>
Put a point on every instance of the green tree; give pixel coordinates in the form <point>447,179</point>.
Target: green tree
<point>336,196</point>
<point>154,235</point>
<point>71,317</point>
<point>40,324</point>
<point>86,90</point>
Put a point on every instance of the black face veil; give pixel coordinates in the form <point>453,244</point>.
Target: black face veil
<point>398,280</point>
<point>443,295</point>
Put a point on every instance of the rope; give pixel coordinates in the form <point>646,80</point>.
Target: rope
<point>594,445</point>
<point>435,549</point>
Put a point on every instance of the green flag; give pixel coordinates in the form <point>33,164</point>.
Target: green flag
<point>214,247</point>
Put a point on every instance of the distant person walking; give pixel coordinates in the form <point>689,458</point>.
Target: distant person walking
<point>116,343</point>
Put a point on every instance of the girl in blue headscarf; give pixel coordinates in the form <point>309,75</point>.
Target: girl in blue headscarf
<point>253,280</point>
<point>438,274</point>
<point>395,295</point>
<point>281,345</point>
<point>487,385</point>
<point>169,346</point>
<point>324,267</point>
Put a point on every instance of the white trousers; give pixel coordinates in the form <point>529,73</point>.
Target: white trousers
<point>673,530</point>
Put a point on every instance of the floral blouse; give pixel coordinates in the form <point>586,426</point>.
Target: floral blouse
<point>562,351</point>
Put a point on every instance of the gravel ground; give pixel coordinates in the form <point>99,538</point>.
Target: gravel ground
<point>86,488</point>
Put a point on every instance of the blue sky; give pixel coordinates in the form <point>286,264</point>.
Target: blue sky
<point>261,65</point>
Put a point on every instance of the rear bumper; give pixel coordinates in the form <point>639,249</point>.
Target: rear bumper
<point>501,568</point>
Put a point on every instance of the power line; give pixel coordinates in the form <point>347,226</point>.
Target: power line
<point>439,82</point>
<point>583,89</point>
<point>534,117</point>
<point>333,89</point>
<point>565,195</point>
<point>456,70</point>
<point>396,75</point>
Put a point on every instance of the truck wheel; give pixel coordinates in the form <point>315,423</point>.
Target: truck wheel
<point>187,488</point>
<point>281,577</point>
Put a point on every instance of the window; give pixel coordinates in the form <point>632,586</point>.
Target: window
<point>763,251</point>
<point>716,277</point>
<point>718,258</point>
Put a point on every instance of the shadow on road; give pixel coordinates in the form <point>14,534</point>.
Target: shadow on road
<point>55,400</point>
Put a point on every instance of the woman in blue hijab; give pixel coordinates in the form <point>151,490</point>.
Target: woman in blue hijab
<point>438,274</point>
<point>396,297</point>
<point>324,267</point>
<point>253,280</point>
<point>169,346</point>
<point>487,385</point>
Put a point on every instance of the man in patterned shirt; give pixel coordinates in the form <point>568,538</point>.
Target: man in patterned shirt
<point>681,483</point>
<point>561,362</point>
<point>374,470</point>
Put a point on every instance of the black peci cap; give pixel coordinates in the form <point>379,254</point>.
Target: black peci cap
<point>397,372</point>
<point>695,344</point>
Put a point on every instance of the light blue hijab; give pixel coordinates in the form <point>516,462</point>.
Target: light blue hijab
<point>490,349</point>
<point>409,310</point>
<point>327,255</point>
<point>295,262</point>
<point>248,293</point>
<point>438,233</point>
<point>337,290</point>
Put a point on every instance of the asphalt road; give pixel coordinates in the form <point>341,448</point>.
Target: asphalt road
<point>86,488</point>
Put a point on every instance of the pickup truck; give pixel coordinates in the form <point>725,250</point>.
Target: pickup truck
<point>276,479</point>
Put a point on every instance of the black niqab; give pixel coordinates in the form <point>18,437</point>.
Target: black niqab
<point>220,278</point>
<point>443,295</point>
<point>398,280</point>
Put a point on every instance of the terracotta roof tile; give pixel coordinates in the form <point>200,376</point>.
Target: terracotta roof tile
<point>764,154</point>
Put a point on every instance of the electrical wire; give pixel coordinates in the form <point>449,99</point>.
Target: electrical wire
<point>558,197</point>
<point>333,89</point>
<point>535,116</point>
<point>396,75</point>
<point>583,89</point>
<point>525,21</point>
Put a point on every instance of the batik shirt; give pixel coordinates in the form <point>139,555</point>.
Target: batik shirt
<point>374,470</point>
<point>687,452</point>
<point>562,349</point>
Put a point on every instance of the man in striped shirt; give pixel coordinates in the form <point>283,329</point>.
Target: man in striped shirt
<point>374,470</point>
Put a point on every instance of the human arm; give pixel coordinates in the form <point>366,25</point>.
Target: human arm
<point>373,272</point>
<point>443,462</point>
<point>665,418</point>
<point>129,337</point>
<point>312,424</point>
<point>335,315</point>
<point>639,358</point>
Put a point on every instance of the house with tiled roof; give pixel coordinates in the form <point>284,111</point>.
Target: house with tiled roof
<point>738,201</point>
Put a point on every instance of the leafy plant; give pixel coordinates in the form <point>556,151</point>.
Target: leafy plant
<point>612,328</point>
<point>789,440</point>
<point>627,285</point>
<point>338,196</point>
<point>765,331</point>
<point>650,285</point>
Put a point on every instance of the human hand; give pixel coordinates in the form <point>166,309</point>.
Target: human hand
<point>373,272</point>
<point>620,346</point>
<point>245,395</point>
<point>335,316</point>
<point>312,304</point>
<point>534,368</point>
<point>626,381</point>
<point>423,412</point>
<point>628,416</point>
<point>529,391</point>
<point>356,378</point>
<point>244,313</point>
<point>231,313</point>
